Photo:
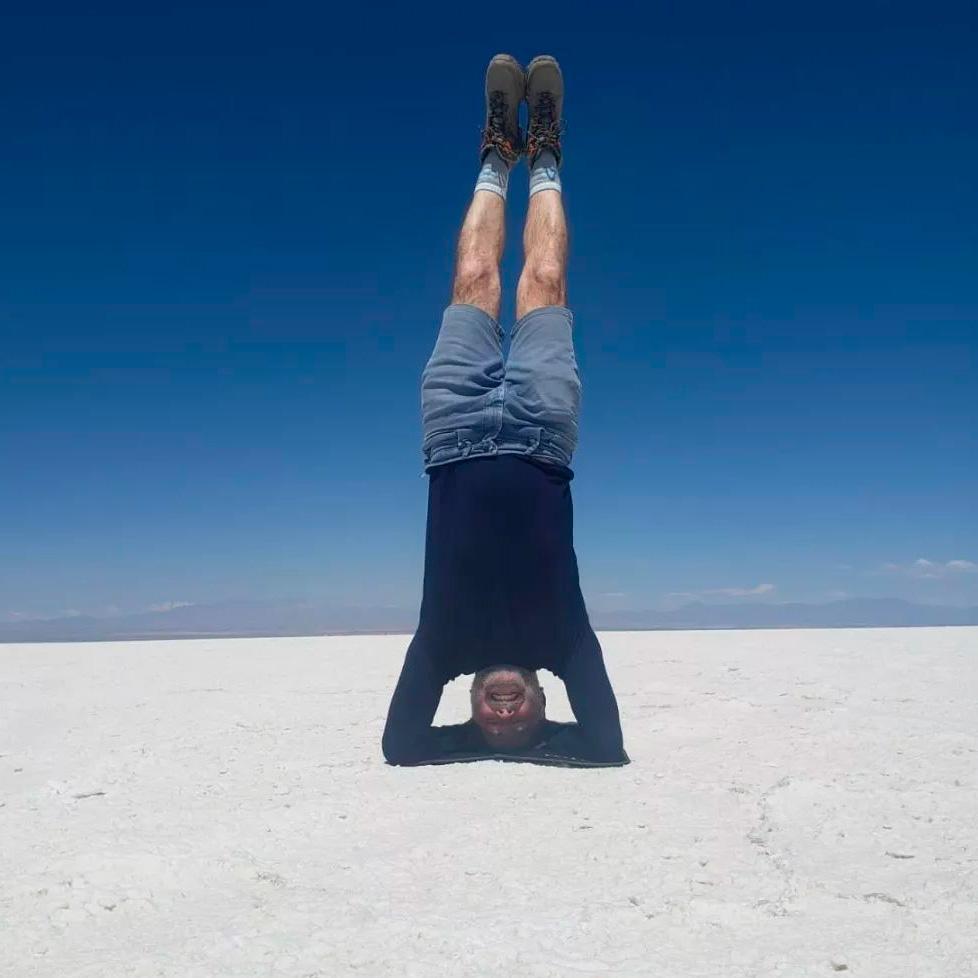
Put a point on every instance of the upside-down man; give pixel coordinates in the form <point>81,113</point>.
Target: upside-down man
<point>501,592</point>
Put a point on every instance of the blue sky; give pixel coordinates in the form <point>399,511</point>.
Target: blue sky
<point>227,240</point>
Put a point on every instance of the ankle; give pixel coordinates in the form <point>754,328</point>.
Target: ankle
<point>544,173</point>
<point>494,174</point>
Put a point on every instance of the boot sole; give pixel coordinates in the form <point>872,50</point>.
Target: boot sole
<point>548,61</point>
<point>509,62</point>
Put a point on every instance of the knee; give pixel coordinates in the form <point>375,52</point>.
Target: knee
<point>474,274</point>
<point>546,276</point>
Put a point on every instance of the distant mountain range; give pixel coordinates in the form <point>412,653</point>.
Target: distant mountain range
<point>850,613</point>
<point>254,618</point>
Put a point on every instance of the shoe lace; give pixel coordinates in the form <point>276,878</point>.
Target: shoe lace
<point>544,110</point>
<point>545,127</point>
<point>497,111</point>
<point>495,134</point>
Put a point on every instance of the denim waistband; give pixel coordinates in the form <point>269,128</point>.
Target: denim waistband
<point>454,446</point>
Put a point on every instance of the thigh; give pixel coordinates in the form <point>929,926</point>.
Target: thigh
<point>543,385</point>
<point>461,382</point>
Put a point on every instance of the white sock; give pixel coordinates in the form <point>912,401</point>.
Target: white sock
<point>494,175</point>
<point>544,174</point>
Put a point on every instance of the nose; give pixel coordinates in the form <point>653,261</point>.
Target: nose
<point>503,709</point>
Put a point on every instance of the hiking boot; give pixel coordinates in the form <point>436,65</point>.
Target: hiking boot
<point>545,100</point>
<point>505,82</point>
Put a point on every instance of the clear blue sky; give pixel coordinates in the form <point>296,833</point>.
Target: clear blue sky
<point>227,239</point>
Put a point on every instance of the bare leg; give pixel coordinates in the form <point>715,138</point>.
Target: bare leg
<point>480,248</point>
<point>543,281</point>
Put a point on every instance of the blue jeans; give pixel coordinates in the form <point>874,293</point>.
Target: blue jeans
<point>473,404</point>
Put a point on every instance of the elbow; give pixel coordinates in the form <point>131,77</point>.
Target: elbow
<point>390,750</point>
<point>395,757</point>
<point>609,747</point>
<point>395,750</point>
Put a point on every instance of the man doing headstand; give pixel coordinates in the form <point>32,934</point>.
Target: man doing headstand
<point>501,592</point>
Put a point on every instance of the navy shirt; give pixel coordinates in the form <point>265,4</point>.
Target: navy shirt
<point>501,586</point>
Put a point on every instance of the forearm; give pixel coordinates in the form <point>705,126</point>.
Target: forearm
<point>598,734</point>
<point>409,737</point>
<point>407,733</point>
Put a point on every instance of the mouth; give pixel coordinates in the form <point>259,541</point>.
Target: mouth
<point>504,692</point>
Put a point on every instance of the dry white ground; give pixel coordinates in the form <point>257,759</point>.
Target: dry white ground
<point>800,803</point>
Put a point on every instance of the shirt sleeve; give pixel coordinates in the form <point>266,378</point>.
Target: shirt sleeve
<point>409,737</point>
<point>597,734</point>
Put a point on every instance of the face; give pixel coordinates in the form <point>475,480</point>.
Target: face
<point>508,706</point>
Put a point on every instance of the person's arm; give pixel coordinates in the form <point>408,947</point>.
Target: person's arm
<point>596,736</point>
<point>409,737</point>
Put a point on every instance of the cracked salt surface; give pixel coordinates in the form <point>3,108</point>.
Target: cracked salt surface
<point>800,803</point>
